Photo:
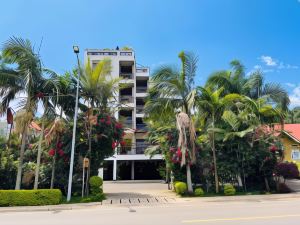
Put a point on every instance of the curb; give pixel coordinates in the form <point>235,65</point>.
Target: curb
<point>48,208</point>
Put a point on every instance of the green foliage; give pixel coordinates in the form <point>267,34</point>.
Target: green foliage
<point>96,185</point>
<point>198,192</point>
<point>180,188</point>
<point>30,197</point>
<point>229,189</point>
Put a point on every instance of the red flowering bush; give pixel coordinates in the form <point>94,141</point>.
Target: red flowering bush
<point>287,170</point>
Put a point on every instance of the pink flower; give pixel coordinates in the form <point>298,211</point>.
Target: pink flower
<point>61,152</point>
<point>118,125</point>
<point>122,143</point>
<point>59,145</point>
<point>51,152</point>
<point>114,144</point>
<point>273,148</point>
<point>102,120</point>
<point>108,122</point>
<point>179,153</point>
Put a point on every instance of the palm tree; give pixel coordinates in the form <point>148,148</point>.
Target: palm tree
<point>211,104</point>
<point>234,81</point>
<point>26,77</point>
<point>98,88</point>
<point>293,115</point>
<point>173,91</point>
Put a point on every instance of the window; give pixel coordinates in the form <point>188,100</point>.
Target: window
<point>126,53</point>
<point>102,53</point>
<point>295,154</point>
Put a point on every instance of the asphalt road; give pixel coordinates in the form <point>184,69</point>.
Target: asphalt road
<point>252,211</point>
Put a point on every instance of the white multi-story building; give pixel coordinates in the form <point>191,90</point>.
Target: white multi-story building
<point>128,162</point>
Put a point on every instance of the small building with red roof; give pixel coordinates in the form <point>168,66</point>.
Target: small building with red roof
<point>290,138</point>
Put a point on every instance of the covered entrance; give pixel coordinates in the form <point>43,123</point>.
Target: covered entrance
<point>133,169</point>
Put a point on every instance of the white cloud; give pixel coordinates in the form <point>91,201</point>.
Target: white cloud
<point>295,97</point>
<point>268,60</point>
<point>290,85</point>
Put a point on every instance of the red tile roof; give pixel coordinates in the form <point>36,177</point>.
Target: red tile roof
<point>292,130</point>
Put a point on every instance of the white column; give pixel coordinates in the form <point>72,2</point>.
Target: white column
<point>132,170</point>
<point>115,170</point>
<point>100,172</point>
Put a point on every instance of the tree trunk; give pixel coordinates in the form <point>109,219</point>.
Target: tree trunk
<point>89,156</point>
<point>189,179</point>
<point>38,161</point>
<point>215,158</point>
<point>19,174</point>
<point>53,170</point>
<point>267,184</point>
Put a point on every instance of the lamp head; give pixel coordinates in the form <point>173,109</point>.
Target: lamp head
<point>76,49</point>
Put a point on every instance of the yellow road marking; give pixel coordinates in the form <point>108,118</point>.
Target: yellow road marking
<point>240,218</point>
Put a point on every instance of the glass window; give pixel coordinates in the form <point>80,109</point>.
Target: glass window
<point>295,154</point>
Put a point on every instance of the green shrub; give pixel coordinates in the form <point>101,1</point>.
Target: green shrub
<point>180,188</point>
<point>96,185</point>
<point>30,197</point>
<point>198,192</point>
<point>229,189</point>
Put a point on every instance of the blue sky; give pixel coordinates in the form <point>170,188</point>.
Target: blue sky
<point>261,33</point>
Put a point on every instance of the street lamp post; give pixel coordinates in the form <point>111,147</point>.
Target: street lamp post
<point>76,51</point>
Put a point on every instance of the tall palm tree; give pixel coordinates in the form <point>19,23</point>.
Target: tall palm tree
<point>98,88</point>
<point>211,105</point>
<point>172,91</point>
<point>234,81</point>
<point>26,77</point>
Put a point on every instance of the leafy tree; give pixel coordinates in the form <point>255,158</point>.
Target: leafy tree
<point>173,91</point>
<point>26,77</point>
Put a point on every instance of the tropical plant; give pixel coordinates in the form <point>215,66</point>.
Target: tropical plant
<point>173,91</point>
<point>24,76</point>
<point>97,89</point>
<point>293,115</point>
<point>211,105</point>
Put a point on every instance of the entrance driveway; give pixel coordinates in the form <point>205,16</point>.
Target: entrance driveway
<point>135,192</point>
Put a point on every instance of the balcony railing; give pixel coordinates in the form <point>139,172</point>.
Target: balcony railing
<point>139,109</point>
<point>127,124</point>
<point>138,149</point>
<point>125,99</point>
<point>141,89</point>
<point>141,127</point>
<point>126,121</point>
<point>141,70</point>
<point>126,75</point>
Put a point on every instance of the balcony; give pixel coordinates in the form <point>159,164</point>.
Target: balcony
<point>142,72</point>
<point>126,99</point>
<point>126,120</point>
<point>138,149</point>
<point>126,76</point>
<point>141,127</point>
<point>140,109</point>
<point>141,89</point>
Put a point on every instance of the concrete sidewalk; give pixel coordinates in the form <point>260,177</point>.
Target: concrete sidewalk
<point>211,200</point>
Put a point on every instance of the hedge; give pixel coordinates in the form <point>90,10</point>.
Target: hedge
<point>30,197</point>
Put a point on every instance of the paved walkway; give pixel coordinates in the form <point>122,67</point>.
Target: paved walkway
<point>137,192</point>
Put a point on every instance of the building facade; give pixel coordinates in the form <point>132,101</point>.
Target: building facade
<point>129,161</point>
<point>290,138</point>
